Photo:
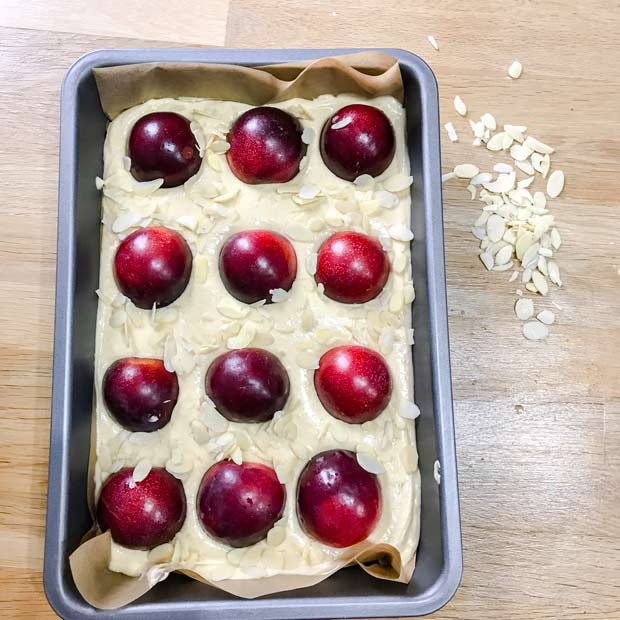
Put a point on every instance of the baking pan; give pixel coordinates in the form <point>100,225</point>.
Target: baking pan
<point>350,593</point>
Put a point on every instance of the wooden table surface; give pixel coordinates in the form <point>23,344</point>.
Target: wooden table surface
<point>540,483</point>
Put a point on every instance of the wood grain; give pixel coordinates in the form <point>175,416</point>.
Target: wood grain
<point>540,490</point>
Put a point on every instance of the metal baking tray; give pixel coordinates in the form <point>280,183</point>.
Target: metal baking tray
<point>349,593</point>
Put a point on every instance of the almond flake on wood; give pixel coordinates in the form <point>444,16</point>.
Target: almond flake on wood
<point>538,146</point>
<point>554,272</point>
<point>524,308</point>
<point>448,177</point>
<point>433,42</point>
<point>466,171</point>
<point>502,185</point>
<point>487,260</point>
<point>504,255</point>
<point>496,142</point>
<point>556,240</point>
<point>534,330</point>
<point>449,127</point>
<point>525,166</point>
<point>515,70</point>
<point>496,226</point>
<point>546,316</point>
<point>482,177</point>
<point>555,184</point>
<point>459,106</point>
<point>540,282</point>
<point>488,120</point>
<point>524,183</point>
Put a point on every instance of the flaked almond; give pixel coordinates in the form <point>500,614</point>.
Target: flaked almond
<point>466,171</point>
<point>515,70</point>
<point>555,184</point>
<point>459,106</point>
<point>534,330</point>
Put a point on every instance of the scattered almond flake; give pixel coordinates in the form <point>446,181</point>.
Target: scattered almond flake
<point>306,360</point>
<point>466,171</point>
<point>515,70</point>
<point>201,268</point>
<point>386,199</point>
<point>99,183</point>
<point>496,142</point>
<point>316,224</point>
<point>554,272</point>
<point>555,184</point>
<point>481,177</point>
<point>472,191</point>
<point>236,456</point>
<point>556,240</point>
<point>530,257</point>
<point>540,282</point>
<point>513,276</point>
<point>523,243</point>
<point>276,536</point>
<point>525,166</point>
<point>537,161</point>
<point>408,293</point>
<point>409,410</point>
<point>278,295</point>
<point>226,197</point>
<point>478,129</point>
<point>309,191</point>
<point>433,42</point>
<point>546,252</point>
<point>244,337</point>
<point>503,184</point>
<point>396,302</point>
<point>311,263</point>
<point>507,141</point>
<point>477,142</point>
<point>125,221</point>
<point>496,226</point>
<point>188,221</point>
<point>505,267</point>
<point>534,330</point>
<point>540,200</point>
<point>118,318</point>
<point>538,146</point>
<point>213,161</point>
<point>510,236</point>
<point>437,472</point>
<point>542,265</point>
<point>526,276</point>
<point>487,260</point>
<point>219,146</point>
<point>398,182</point>
<point>307,135</point>
<point>363,180</point>
<point>386,340</point>
<point>524,183</point>
<point>400,232</point>
<point>145,188</point>
<point>546,316</point>
<point>307,319</point>
<point>488,120</point>
<point>546,164</point>
<point>448,177</point>
<point>449,127</point>
<point>231,310</point>
<point>459,106</point>
<point>504,255</point>
<point>341,123</point>
<point>524,309</point>
<point>141,470</point>
<point>519,152</point>
<point>370,463</point>
<point>515,132</point>
<point>334,220</point>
